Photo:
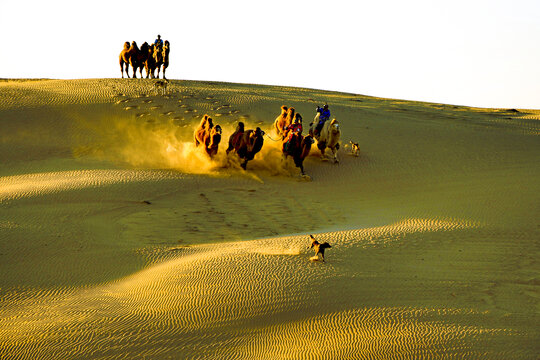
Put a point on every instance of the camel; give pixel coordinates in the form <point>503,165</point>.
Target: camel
<point>158,58</point>
<point>319,248</point>
<point>166,49</point>
<point>213,141</point>
<point>299,149</point>
<point>208,135</point>
<point>282,124</point>
<point>246,143</point>
<point>124,59</point>
<point>203,130</point>
<point>133,55</point>
<point>279,123</point>
<point>142,56</point>
<point>329,138</point>
<point>150,63</point>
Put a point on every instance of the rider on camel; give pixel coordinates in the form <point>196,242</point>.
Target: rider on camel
<point>324,115</point>
<point>290,130</point>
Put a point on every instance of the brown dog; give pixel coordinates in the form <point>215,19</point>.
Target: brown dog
<point>355,149</point>
<point>319,248</point>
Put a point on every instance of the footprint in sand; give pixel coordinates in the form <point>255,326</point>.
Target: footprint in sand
<point>179,118</point>
<point>122,101</point>
<point>148,101</point>
<point>182,105</point>
<point>168,113</point>
<point>143,114</point>
<point>132,107</point>
<point>155,107</point>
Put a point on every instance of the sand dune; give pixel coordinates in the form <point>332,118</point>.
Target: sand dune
<point>120,239</point>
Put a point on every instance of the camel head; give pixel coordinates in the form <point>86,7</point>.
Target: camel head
<point>334,126</point>
<point>216,129</point>
<point>126,45</point>
<point>307,141</point>
<point>290,113</point>
<point>255,141</point>
<point>215,137</point>
<point>284,110</point>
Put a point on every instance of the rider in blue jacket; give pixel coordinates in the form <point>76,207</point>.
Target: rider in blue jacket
<point>158,41</point>
<point>325,115</point>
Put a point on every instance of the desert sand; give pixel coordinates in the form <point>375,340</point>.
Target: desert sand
<point>120,239</point>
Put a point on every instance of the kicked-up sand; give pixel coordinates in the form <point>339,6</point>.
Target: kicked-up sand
<point>120,239</point>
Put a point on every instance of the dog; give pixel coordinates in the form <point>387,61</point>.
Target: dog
<point>319,248</point>
<point>355,149</point>
<point>161,85</point>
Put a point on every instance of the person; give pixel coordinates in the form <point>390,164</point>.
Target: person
<point>291,130</point>
<point>158,41</point>
<point>324,115</point>
<point>235,138</point>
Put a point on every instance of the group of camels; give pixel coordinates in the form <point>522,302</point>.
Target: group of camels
<point>247,143</point>
<point>150,57</point>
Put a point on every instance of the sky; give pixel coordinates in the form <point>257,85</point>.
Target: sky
<point>463,52</point>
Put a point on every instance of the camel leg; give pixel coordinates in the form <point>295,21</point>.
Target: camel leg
<point>122,68</point>
<point>334,152</point>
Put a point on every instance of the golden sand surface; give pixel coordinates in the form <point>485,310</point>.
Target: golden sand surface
<point>120,239</point>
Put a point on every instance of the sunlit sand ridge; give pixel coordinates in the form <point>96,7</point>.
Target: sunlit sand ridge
<point>119,238</point>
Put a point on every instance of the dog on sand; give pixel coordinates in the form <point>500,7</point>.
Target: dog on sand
<point>160,86</point>
<point>355,149</point>
<point>319,248</point>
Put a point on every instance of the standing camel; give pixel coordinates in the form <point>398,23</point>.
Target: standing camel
<point>124,59</point>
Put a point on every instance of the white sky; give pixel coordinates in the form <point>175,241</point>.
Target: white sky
<point>464,52</point>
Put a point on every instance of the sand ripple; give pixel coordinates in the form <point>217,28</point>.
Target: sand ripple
<point>255,299</point>
<point>20,186</point>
